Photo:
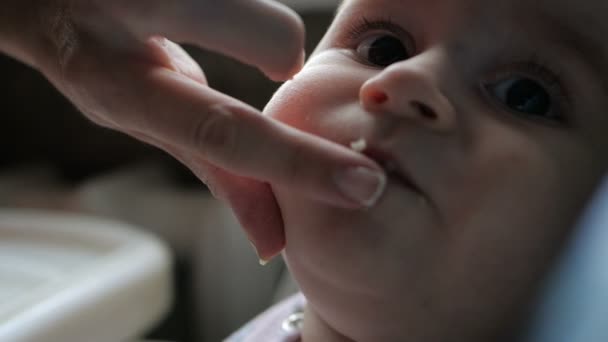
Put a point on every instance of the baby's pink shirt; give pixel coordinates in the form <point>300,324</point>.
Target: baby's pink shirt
<point>277,324</point>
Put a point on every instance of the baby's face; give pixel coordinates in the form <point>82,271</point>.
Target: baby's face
<point>494,113</point>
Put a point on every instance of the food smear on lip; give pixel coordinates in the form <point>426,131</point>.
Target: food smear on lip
<point>358,145</point>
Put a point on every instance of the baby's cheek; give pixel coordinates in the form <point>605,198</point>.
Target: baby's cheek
<point>313,94</point>
<point>285,106</point>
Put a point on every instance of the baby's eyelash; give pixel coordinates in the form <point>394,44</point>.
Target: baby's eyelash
<point>541,71</point>
<point>364,25</point>
<point>549,74</point>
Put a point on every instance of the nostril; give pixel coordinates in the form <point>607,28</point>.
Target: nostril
<point>424,110</point>
<point>378,97</point>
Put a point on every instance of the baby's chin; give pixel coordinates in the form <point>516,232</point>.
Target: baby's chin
<point>316,230</point>
<point>339,260</point>
<point>337,244</point>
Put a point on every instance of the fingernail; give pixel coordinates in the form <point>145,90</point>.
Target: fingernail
<point>263,262</point>
<point>361,184</point>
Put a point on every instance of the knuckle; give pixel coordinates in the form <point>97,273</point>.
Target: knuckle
<point>215,135</point>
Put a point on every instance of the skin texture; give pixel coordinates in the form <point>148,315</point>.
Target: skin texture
<point>114,60</point>
<point>499,190</point>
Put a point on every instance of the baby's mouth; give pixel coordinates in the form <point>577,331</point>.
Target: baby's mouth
<point>392,168</point>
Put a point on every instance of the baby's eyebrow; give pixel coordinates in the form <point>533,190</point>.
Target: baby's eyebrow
<point>572,35</point>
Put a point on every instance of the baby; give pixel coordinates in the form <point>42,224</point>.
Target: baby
<point>490,119</point>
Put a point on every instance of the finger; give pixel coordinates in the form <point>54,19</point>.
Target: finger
<point>103,83</point>
<point>237,138</point>
<point>166,53</point>
<point>252,202</point>
<point>262,33</point>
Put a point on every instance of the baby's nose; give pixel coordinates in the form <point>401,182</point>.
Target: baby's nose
<point>409,91</point>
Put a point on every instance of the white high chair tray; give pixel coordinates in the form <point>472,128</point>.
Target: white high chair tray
<point>72,278</point>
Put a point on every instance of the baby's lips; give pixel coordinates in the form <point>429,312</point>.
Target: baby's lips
<point>363,185</point>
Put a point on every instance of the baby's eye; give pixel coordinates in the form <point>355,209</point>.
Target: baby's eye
<point>382,50</point>
<point>524,96</point>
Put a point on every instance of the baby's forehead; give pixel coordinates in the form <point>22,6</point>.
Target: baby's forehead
<point>580,12</point>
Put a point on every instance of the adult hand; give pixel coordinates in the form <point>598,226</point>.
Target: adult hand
<point>112,60</point>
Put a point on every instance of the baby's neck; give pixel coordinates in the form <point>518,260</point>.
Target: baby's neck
<point>316,329</point>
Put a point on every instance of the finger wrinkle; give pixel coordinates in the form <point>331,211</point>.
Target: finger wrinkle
<point>63,33</point>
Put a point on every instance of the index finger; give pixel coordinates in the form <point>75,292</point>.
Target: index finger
<point>262,33</point>
<point>235,137</point>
